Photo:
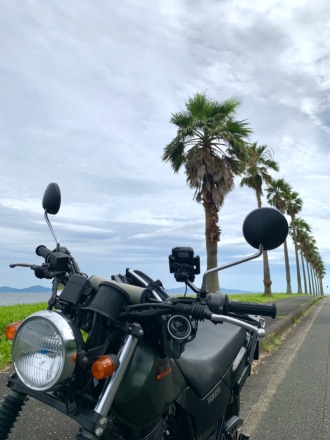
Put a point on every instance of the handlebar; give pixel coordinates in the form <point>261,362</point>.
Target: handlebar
<point>219,303</point>
<point>58,263</point>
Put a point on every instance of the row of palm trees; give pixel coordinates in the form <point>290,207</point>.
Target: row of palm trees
<point>213,148</point>
<point>281,195</point>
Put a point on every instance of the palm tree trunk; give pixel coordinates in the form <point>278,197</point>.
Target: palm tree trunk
<point>267,280</point>
<point>212,235</point>
<point>309,279</point>
<point>298,269</point>
<point>287,268</point>
<point>312,278</point>
<point>314,282</point>
<point>304,272</point>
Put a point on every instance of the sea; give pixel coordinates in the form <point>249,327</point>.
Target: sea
<point>8,299</point>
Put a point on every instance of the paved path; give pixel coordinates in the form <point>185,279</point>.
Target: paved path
<point>288,397</point>
<point>287,307</point>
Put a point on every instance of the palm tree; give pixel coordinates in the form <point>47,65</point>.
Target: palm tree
<point>320,273</point>
<point>317,268</point>
<point>211,144</point>
<point>260,160</point>
<point>294,206</point>
<point>277,195</point>
<point>302,245</point>
<point>300,230</point>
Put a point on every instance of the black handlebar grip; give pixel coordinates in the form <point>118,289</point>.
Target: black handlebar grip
<point>43,251</point>
<point>42,272</point>
<point>58,261</point>
<point>247,308</point>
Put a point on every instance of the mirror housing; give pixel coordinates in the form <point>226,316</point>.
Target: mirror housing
<point>51,200</point>
<point>266,227</point>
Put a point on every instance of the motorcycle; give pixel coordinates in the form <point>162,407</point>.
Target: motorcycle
<point>126,360</point>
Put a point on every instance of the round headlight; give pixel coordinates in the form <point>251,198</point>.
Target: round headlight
<point>44,350</point>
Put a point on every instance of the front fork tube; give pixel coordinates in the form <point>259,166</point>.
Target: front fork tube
<point>112,384</point>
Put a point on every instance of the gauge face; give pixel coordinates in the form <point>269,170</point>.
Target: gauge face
<point>179,327</point>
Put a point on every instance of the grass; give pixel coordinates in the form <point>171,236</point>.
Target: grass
<point>18,312</point>
<point>271,342</point>
<point>9,314</point>
<point>260,297</point>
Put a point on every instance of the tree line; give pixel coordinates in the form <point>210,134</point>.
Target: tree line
<point>213,148</point>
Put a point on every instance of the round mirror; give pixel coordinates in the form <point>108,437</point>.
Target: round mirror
<point>51,200</point>
<point>266,226</point>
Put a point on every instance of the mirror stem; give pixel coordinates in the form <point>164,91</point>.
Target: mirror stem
<point>52,231</point>
<point>217,269</point>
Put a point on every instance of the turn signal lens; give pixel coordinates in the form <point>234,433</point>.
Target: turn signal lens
<point>11,329</point>
<point>103,367</point>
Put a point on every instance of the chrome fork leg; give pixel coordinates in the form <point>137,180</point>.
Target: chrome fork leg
<point>110,389</point>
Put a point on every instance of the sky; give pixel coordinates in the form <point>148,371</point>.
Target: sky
<point>87,90</point>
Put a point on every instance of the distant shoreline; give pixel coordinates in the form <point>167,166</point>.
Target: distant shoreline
<point>31,289</point>
<point>20,292</point>
<point>17,297</point>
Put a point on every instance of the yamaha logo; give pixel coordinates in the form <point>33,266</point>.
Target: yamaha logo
<point>213,395</point>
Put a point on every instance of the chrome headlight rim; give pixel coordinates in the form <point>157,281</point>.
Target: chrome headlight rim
<point>67,338</point>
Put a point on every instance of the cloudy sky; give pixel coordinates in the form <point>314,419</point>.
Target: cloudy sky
<point>87,91</point>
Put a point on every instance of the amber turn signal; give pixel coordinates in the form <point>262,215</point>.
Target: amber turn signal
<point>104,366</point>
<point>11,330</point>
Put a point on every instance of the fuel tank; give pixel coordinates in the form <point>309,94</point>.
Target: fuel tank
<point>150,385</point>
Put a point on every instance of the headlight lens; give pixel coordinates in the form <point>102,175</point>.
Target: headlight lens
<point>44,350</point>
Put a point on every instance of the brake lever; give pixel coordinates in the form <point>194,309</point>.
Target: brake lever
<point>22,265</point>
<point>224,318</point>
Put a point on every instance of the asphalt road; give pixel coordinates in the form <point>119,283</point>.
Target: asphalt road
<point>288,397</point>
<point>40,422</point>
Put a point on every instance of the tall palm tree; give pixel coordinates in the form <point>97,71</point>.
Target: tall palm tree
<point>294,206</point>
<point>277,195</point>
<point>312,259</point>
<point>315,264</point>
<point>211,144</point>
<point>321,271</point>
<point>302,246</point>
<point>300,232</point>
<point>260,161</point>
<point>309,254</point>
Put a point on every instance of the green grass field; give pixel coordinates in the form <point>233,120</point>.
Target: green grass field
<point>18,312</point>
<point>10,314</point>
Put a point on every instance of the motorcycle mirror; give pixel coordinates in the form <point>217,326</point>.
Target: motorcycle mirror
<point>266,227</point>
<point>51,200</point>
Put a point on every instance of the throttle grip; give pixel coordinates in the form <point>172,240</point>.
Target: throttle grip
<point>58,261</point>
<point>43,251</point>
<point>219,303</point>
<point>251,308</point>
